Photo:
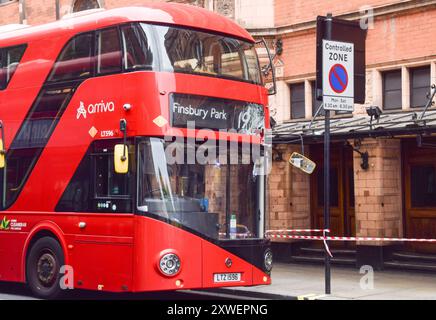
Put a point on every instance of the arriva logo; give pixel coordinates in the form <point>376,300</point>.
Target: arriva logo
<point>81,111</point>
<point>94,108</point>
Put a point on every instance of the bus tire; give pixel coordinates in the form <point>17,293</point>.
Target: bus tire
<point>43,268</point>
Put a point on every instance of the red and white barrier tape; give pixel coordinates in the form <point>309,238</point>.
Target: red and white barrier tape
<point>331,238</point>
<point>323,238</point>
<point>279,234</point>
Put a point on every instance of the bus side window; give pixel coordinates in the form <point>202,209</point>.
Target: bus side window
<point>95,187</point>
<point>9,60</point>
<point>108,183</point>
<point>109,51</point>
<point>136,48</point>
<point>75,61</point>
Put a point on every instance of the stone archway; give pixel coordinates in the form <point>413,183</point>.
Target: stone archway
<point>80,5</point>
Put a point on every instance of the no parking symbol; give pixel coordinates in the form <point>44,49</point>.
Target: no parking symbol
<point>338,78</point>
<point>338,75</point>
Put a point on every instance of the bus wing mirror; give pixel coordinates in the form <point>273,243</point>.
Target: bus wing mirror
<point>2,154</point>
<point>301,162</point>
<point>121,159</point>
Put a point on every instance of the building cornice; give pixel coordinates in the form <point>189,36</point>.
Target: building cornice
<point>383,10</point>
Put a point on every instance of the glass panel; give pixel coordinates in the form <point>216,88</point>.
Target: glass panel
<point>137,49</point>
<point>109,51</point>
<point>18,163</point>
<point>420,77</point>
<point>213,198</point>
<point>9,60</point>
<point>419,97</point>
<point>423,186</point>
<point>78,193</point>
<point>392,90</point>
<point>392,80</point>
<point>392,100</point>
<point>32,137</point>
<point>108,182</point>
<point>297,101</point>
<point>75,61</point>
<point>195,52</point>
<point>95,187</point>
<point>243,199</point>
<point>334,187</point>
<point>419,86</point>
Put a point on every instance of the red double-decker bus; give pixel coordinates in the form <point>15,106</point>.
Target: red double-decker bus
<point>104,117</point>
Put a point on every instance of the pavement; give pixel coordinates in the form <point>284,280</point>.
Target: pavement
<point>306,282</point>
<point>295,281</point>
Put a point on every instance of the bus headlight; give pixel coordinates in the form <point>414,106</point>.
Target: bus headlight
<point>169,264</point>
<point>268,260</point>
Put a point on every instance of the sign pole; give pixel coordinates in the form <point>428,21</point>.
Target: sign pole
<point>340,82</point>
<point>327,172</point>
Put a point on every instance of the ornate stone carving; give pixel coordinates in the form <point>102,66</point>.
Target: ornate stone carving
<point>225,7</point>
<point>80,5</point>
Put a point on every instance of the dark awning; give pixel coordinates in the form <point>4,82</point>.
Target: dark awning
<point>359,126</point>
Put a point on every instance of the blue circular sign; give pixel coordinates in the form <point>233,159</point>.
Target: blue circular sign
<point>338,78</point>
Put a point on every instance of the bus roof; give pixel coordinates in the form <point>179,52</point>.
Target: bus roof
<point>165,13</point>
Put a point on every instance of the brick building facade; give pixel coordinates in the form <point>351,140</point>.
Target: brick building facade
<point>396,195</point>
<point>392,197</point>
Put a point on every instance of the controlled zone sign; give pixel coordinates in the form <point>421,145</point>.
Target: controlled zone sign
<point>338,75</point>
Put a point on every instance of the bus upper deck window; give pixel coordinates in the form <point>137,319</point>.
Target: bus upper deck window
<point>75,61</point>
<point>137,50</point>
<point>196,52</point>
<point>9,60</point>
<point>109,51</point>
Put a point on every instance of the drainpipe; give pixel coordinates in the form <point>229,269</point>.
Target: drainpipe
<point>22,11</point>
<point>58,10</point>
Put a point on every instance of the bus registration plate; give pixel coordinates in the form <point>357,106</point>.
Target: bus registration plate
<point>227,277</point>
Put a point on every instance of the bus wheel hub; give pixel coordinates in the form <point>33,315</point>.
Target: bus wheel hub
<point>46,269</point>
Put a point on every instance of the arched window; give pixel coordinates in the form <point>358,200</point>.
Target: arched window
<point>80,5</point>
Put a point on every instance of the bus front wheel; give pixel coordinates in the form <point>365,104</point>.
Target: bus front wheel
<point>43,268</point>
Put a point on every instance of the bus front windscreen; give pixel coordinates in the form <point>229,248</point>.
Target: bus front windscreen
<point>193,187</point>
<point>194,52</point>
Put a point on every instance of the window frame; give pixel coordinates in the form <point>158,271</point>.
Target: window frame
<point>92,73</point>
<point>98,32</point>
<point>94,159</point>
<point>162,68</point>
<point>86,173</point>
<point>298,101</point>
<point>411,87</point>
<point>2,57</point>
<point>414,201</point>
<point>155,63</point>
<point>384,91</point>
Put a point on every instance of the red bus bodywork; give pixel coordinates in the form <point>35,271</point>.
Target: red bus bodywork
<point>116,251</point>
